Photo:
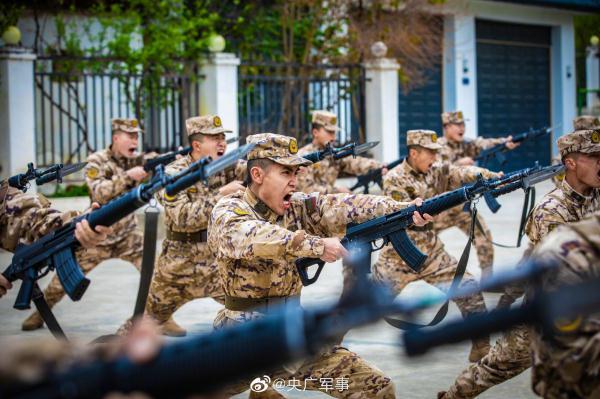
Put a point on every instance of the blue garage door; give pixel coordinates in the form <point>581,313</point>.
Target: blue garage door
<point>420,108</point>
<point>513,87</point>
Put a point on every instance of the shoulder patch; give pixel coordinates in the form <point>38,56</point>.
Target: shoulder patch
<point>92,173</point>
<point>240,212</point>
<point>169,198</point>
<point>568,325</point>
<point>396,196</point>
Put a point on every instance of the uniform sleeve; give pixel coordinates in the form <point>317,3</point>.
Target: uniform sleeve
<point>308,184</point>
<point>241,236</point>
<point>338,210</point>
<point>186,213</point>
<point>482,143</point>
<point>29,217</point>
<point>359,165</point>
<point>393,188</point>
<point>458,175</point>
<point>541,222</point>
<point>103,184</point>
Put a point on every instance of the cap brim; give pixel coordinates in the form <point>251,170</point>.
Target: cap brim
<point>433,146</point>
<point>332,128</point>
<point>591,149</point>
<point>291,161</point>
<point>216,130</point>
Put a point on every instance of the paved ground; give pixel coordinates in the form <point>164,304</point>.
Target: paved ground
<point>110,299</point>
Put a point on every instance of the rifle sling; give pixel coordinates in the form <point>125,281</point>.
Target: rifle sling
<point>528,204</point>
<point>46,313</point>
<point>148,257</point>
<point>461,267</point>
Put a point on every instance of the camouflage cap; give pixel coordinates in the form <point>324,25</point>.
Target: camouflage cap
<point>276,147</point>
<point>586,141</point>
<point>423,138</point>
<point>584,122</point>
<point>205,124</point>
<point>325,118</point>
<point>452,117</point>
<point>125,125</point>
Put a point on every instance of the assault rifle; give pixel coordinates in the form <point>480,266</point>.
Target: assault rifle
<point>42,176</point>
<point>526,178</point>
<point>55,250</point>
<point>206,363</point>
<point>373,176</point>
<point>165,159</point>
<point>391,228</point>
<point>340,152</point>
<point>498,150</point>
<point>171,156</point>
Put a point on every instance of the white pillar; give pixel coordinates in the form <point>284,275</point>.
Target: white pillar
<point>17,110</point>
<point>460,69</point>
<point>382,107</point>
<point>592,74</point>
<point>219,90</point>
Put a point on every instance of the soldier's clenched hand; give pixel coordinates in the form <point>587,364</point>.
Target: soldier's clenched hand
<point>334,250</point>
<point>509,143</point>
<point>231,188</point>
<point>138,173</point>
<point>418,219</point>
<point>88,237</point>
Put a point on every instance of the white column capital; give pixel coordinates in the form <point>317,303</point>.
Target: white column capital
<point>382,64</point>
<point>223,59</point>
<point>13,53</point>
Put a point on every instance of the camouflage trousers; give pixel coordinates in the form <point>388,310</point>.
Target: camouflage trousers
<point>567,366</point>
<point>184,271</point>
<point>438,269</point>
<point>456,217</point>
<point>509,357</point>
<point>129,248</point>
<point>350,376</point>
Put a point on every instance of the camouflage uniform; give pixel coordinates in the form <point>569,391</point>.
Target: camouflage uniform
<point>321,176</point>
<point>451,152</point>
<point>185,269</point>
<point>510,355</point>
<point>565,361</point>
<point>107,179</point>
<point>256,249</point>
<point>403,183</point>
<point>25,218</point>
<point>583,122</point>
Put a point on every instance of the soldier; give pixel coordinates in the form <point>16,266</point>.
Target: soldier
<point>565,361</point>
<point>461,152</point>
<point>321,176</point>
<point>420,176</point>
<point>583,122</point>
<point>576,197</point>
<point>109,173</point>
<point>259,233</point>
<point>25,217</point>
<point>186,268</point>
